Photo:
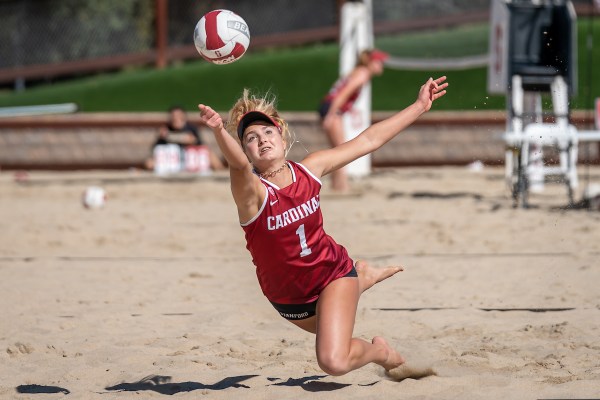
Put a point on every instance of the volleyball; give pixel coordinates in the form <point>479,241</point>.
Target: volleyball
<point>221,36</point>
<point>93,197</point>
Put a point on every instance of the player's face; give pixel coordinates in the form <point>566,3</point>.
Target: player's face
<point>177,118</point>
<point>376,67</point>
<point>263,142</point>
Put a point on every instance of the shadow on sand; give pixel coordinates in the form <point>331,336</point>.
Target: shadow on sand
<point>41,389</point>
<point>311,383</point>
<point>163,385</point>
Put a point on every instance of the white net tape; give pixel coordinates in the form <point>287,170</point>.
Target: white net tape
<point>438,63</point>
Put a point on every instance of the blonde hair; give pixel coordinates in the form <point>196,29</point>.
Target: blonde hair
<point>364,58</point>
<point>265,104</point>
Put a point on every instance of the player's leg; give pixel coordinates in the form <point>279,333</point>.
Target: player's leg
<point>215,162</point>
<point>367,277</point>
<point>335,134</point>
<point>337,351</point>
<point>308,324</point>
<point>149,163</point>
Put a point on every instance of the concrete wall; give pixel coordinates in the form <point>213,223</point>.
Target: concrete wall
<point>109,141</point>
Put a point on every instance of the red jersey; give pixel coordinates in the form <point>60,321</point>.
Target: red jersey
<point>335,91</point>
<point>295,259</point>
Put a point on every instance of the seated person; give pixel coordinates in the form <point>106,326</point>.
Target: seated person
<point>178,130</point>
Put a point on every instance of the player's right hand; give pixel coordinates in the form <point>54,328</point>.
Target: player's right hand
<point>210,117</point>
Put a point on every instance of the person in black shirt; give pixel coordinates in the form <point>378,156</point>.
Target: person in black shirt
<point>178,130</point>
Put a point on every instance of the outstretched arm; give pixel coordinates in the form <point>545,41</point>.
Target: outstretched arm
<point>246,188</point>
<point>357,78</point>
<point>323,162</point>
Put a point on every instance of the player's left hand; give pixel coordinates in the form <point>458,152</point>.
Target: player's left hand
<point>432,90</point>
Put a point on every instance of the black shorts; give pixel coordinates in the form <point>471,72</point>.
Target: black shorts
<point>324,109</point>
<point>303,311</point>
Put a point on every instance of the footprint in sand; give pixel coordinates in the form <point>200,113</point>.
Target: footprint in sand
<point>411,370</point>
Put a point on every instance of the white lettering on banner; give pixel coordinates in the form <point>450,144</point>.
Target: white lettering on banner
<point>196,159</point>
<point>167,159</point>
<point>172,158</point>
<point>293,214</point>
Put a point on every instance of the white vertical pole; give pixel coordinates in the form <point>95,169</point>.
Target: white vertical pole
<point>356,35</point>
<point>497,76</point>
<point>515,124</point>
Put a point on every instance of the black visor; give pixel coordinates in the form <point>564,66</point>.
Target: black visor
<point>253,116</point>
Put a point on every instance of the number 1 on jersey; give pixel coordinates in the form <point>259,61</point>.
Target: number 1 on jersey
<point>305,249</point>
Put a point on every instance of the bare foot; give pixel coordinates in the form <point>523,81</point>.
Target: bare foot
<point>394,359</point>
<point>368,276</point>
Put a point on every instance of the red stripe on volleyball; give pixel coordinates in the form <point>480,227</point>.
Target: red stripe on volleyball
<point>213,41</point>
<point>238,50</point>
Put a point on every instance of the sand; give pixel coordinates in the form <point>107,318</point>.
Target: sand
<point>155,293</point>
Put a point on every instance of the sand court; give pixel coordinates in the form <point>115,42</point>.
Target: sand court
<point>155,293</point>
